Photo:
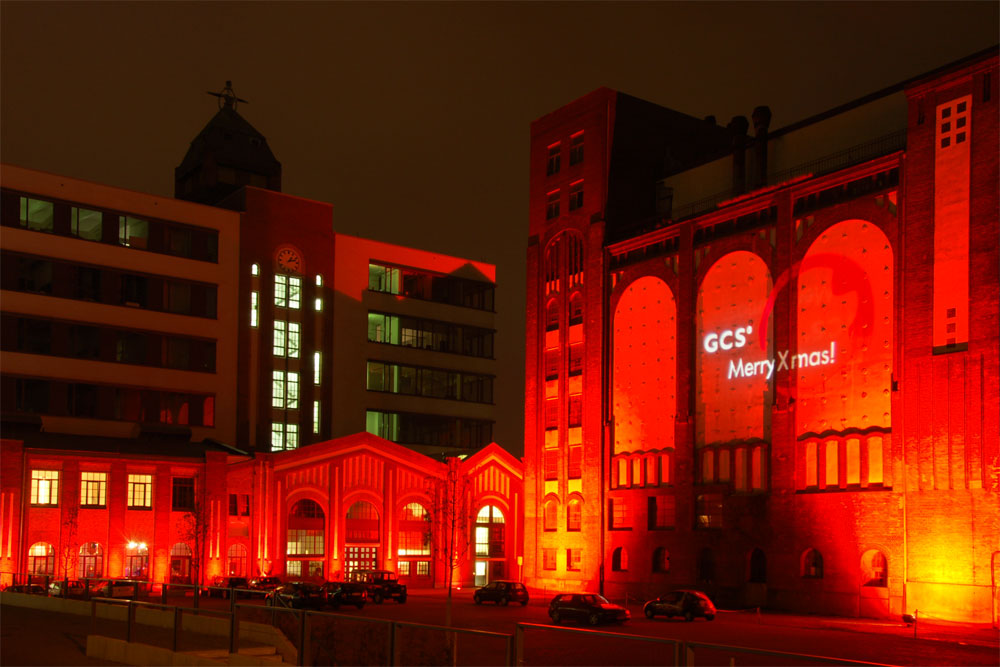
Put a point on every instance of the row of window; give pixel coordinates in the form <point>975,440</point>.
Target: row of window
<point>22,273</point>
<point>90,561</point>
<point>745,467</point>
<point>552,457</point>
<point>553,162</point>
<point>94,486</point>
<point>101,343</point>
<point>111,227</point>
<point>430,335</point>
<point>650,469</point>
<point>432,430</point>
<point>430,382</point>
<point>552,200</point>
<point>76,399</point>
<point>420,284</point>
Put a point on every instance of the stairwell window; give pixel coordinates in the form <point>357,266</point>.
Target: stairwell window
<point>575,195</point>
<point>576,149</point>
<point>552,205</point>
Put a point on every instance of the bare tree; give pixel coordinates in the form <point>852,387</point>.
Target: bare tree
<point>70,550</point>
<point>451,518</point>
<point>195,530</point>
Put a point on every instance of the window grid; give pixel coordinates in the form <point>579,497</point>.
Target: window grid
<point>140,492</point>
<point>93,486</point>
<point>305,542</point>
<point>280,291</point>
<point>317,368</point>
<point>576,149</point>
<point>573,559</point>
<point>619,514</point>
<point>254,308</point>
<point>45,487</point>
<point>285,390</point>
<point>294,293</point>
<point>315,416</point>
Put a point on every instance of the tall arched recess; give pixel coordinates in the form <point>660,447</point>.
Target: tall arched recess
<point>644,384</point>
<point>843,353</point>
<point>734,378</point>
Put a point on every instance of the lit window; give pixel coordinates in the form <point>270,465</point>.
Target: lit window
<point>279,338</point>
<point>305,542</point>
<point>285,390</point>
<point>287,339</point>
<point>140,492</point>
<point>85,223</point>
<point>317,368</point>
<point>44,487</point>
<point>284,436</point>
<point>254,308</point>
<point>319,280</point>
<point>294,292</point>
<point>292,436</point>
<point>37,215</point>
<point>132,232</point>
<point>552,205</point>
<point>255,269</point>
<point>318,305</point>
<point>93,487</point>
<point>576,149</point>
<point>281,290</point>
<point>315,416</point>
<point>575,195</point>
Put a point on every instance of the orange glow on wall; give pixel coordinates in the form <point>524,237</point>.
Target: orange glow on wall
<point>845,297</point>
<point>645,364</point>
<point>733,374</point>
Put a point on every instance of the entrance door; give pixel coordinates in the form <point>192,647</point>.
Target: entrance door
<point>360,558</point>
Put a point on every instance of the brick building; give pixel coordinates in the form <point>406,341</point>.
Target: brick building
<point>767,365</point>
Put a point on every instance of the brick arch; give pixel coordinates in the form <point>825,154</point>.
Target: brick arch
<point>644,366</point>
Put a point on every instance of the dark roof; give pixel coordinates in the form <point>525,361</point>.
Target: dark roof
<point>231,141</point>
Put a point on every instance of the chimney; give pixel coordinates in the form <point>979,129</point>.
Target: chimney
<point>761,119</point>
<point>738,127</point>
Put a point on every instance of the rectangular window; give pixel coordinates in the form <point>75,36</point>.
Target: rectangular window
<point>575,470</point>
<point>182,494</point>
<point>45,487</point>
<point>37,215</point>
<point>548,559</point>
<point>619,514</point>
<point>318,304</point>
<point>133,232</point>
<point>280,290</point>
<point>277,389</point>
<point>315,416</point>
<point>93,487</point>
<point>741,469</point>
<point>85,223</point>
<point>254,308</point>
<point>853,461</point>
<point>709,510</point>
<point>294,292</point>
<point>294,568</point>
<point>234,504</point>
<point>573,558</point>
<point>575,195</point>
<point>552,205</point>
<point>552,164</point>
<point>140,492</point>
<point>317,368</point>
<point>875,460</point>
<point>576,149</point>
<point>551,463</point>
<point>832,477</point>
<point>661,511</point>
<point>811,465</point>
<point>279,343</point>
<point>305,542</point>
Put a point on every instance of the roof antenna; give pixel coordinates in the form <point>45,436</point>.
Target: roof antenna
<point>227,98</point>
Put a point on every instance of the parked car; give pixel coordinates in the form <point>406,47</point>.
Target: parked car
<point>221,586</point>
<point>30,589</point>
<point>381,585</point>
<point>502,592</point>
<point>345,592</point>
<point>589,607</point>
<point>73,588</point>
<point>296,595</point>
<point>264,585</point>
<point>688,604</point>
<point>112,589</point>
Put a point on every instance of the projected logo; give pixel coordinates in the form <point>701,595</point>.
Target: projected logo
<point>847,280</point>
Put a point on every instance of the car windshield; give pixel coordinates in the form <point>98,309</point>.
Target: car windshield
<point>594,599</point>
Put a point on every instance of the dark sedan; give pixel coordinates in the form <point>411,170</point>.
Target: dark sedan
<point>297,595</point>
<point>502,592</point>
<point>683,603</point>
<point>586,607</point>
<point>342,592</point>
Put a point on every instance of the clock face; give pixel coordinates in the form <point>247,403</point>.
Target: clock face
<point>289,260</point>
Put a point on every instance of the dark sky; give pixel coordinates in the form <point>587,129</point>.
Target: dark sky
<point>413,118</point>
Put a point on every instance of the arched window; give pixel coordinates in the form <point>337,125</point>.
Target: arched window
<point>552,316</point>
<point>706,566</point>
<point>41,558</point>
<point>180,564</point>
<point>237,560</point>
<point>757,573</point>
<point>619,560</point>
<point>414,542</point>
<point>306,539</point>
<point>576,309</point>
<point>490,532</point>
<point>551,514</point>
<point>91,562</point>
<point>661,560</point>
<point>573,514</point>
<point>307,509</point>
<point>874,569</point>
<point>136,560</point>
<point>362,522</point>
<point>812,564</point>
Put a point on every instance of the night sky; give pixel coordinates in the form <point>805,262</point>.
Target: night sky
<point>413,119</point>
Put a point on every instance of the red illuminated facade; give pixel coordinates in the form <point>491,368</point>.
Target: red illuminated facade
<point>767,365</point>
